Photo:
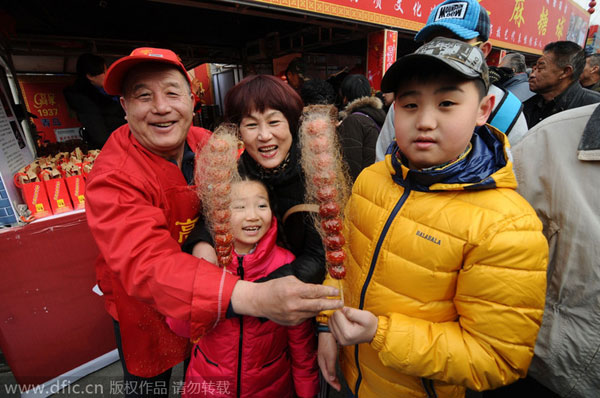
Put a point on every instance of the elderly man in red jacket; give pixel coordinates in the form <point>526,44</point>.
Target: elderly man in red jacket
<point>140,209</point>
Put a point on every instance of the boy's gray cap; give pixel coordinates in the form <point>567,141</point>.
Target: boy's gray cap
<point>467,60</point>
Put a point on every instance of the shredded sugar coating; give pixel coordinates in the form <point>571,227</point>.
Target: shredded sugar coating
<point>216,170</point>
<point>327,181</point>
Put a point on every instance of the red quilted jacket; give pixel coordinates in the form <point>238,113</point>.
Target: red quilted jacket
<point>250,357</point>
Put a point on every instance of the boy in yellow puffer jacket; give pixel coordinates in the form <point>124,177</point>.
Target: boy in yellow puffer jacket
<point>446,271</point>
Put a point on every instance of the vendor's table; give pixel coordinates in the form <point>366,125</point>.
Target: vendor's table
<point>50,320</point>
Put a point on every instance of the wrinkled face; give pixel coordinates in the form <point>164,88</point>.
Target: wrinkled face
<point>267,137</point>
<point>545,74</point>
<point>435,121</point>
<point>159,108</point>
<point>250,214</point>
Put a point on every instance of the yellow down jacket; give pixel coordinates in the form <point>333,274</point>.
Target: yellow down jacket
<point>453,263</point>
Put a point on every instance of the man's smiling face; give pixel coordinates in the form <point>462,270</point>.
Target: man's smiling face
<point>159,108</point>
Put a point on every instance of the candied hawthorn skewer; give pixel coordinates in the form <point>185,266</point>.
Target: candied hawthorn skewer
<point>216,169</point>
<point>326,181</point>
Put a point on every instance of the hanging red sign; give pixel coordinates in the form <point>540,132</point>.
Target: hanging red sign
<point>391,48</point>
<point>381,54</point>
<point>375,53</point>
<point>522,25</point>
<point>45,100</point>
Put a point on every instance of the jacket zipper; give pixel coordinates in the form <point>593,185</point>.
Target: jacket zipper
<point>240,271</point>
<point>363,292</point>
<point>197,349</point>
<point>429,388</point>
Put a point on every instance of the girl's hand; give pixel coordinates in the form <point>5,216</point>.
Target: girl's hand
<point>205,251</point>
<point>352,326</point>
<point>328,351</point>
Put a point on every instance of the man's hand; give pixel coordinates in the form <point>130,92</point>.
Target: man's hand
<point>352,326</point>
<point>205,251</point>
<point>328,351</point>
<point>286,301</point>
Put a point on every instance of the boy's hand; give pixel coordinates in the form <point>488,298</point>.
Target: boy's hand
<point>351,326</point>
<point>328,351</point>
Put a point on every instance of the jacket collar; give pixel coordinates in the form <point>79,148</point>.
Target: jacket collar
<point>362,102</point>
<point>488,165</point>
<point>187,161</point>
<point>594,87</point>
<point>517,79</point>
<point>562,101</point>
<point>589,145</point>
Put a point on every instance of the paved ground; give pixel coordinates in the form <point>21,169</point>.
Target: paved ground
<point>104,383</point>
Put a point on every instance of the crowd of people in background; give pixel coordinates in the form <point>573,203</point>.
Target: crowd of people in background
<point>473,224</point>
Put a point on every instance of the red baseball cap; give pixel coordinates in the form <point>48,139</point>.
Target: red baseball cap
<point>113,80</point>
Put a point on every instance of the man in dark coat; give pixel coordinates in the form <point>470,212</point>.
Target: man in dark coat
<point>590,77</point>
<point>555,80</point>
<point>517,83</point>
<point>99,113</point>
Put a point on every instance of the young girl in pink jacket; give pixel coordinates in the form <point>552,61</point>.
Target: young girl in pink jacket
<point>246,356</point>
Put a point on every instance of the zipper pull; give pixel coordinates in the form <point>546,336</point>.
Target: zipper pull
<point>240,268</point>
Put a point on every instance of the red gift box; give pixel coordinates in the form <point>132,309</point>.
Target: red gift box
<point>35,196</point>
<point>60,202</point>
<point>76,186</point>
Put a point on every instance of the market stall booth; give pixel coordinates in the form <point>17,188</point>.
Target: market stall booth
<point>54,329</point>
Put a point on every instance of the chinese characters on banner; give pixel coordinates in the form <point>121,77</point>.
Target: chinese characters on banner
<point>390,46</point>
<point>522,25</point>
<point>381,54</point>
<point>45,100</point>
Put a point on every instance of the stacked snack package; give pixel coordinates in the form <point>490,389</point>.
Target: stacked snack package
<point>33,191</point>
<point>216,169</point>
<point>327,182</point>
<point>55,184</point>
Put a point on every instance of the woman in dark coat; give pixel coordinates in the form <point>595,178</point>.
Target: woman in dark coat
<point>362,119</point>
<point>267,112</point>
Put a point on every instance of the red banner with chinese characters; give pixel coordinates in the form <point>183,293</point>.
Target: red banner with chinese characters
<point>202,84</point>
<point>522,25</point>
<point>381,54</point>
<point>391,48</point>
<point>45,100</point>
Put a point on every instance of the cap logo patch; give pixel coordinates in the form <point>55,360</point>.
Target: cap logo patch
<point>458,51</point>
<point>452,11</point>
<point>155,55</point>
